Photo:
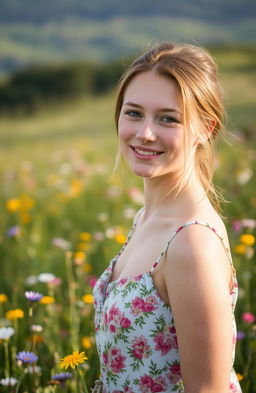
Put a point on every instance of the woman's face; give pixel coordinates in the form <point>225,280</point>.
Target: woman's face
<point>150,126</point>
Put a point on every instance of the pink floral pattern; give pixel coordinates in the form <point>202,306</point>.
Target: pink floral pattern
<point>165,341</point>
<point>140,348</point>
<point>135,333</point>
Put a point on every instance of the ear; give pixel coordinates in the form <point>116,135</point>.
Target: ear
<point>207,133</point>
<point>211,125</point>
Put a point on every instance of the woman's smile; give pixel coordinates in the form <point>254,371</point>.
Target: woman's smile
<point>145,153</point>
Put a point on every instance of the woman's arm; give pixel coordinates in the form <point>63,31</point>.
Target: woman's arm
<point>197,275</point>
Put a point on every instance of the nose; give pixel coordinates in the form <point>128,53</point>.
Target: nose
<point>146,132</point>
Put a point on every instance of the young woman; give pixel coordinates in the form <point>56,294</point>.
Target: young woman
<point>164,307</point>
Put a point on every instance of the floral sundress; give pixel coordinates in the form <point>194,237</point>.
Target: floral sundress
<point>135,331</point>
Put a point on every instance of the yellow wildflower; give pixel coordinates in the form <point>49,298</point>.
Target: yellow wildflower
<point>87,268</point>
<point>247,239</point>
<point>14,314</point>
<point>120,238</point>
<point>239,377</point>
<point>85,236</point>
<point>86,342</point>
<point>13,205</point>
<point>88,298</point>
<point>73,360</point>
<point>3,298</point>
<point>75,188</point>
<point>79,257</point>
<point>240,249</point>
<point>47,300</point>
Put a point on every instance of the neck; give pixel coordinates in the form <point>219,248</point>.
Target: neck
<point>160,199</point>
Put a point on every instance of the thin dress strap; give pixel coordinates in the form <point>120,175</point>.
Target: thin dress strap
<point>135,221</point>
<point>186,225</point>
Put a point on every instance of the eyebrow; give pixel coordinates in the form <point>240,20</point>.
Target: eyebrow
<point>173,110</point>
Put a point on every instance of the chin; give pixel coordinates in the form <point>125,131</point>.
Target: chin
<point>146,173</point>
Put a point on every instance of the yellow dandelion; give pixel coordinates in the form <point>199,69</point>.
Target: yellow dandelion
<point>88,298</point>
<point>247,239</point>
<point>239,377</point>
<point>86,342</point>
<point>13,205</point>
<point>47,300</point>
<point>85,236</point>
<point>14,314</point>
<point>73,360</point>
<point>3,298</point>
<point>120,238</point>
<point>87,268</point>
<point>240,249</point>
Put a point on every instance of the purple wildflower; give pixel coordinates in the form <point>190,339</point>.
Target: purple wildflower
<point>33,296</point>
<point>61,377</point>
<point>27,357</point>
<point>240,335</point>
<point>13,231</point>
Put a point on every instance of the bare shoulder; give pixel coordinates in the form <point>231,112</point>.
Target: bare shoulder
<point>197,275</point>
<point>197,253</point>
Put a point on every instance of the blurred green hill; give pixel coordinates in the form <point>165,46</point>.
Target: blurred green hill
<point>40,32</point>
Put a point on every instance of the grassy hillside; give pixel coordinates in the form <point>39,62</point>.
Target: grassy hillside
<point>23,44</point>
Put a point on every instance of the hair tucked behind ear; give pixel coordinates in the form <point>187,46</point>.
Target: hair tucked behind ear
<point>195,72</point>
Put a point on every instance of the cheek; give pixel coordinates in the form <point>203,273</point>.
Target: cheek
<point>124,132</point>
<point>174,141</point>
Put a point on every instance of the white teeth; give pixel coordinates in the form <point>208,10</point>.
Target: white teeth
<point>146,153</point>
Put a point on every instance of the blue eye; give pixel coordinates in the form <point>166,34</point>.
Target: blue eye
<point>133,114</point>
<point>168,119</point>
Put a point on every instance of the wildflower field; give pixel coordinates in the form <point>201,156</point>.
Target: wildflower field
<point>64,215</point>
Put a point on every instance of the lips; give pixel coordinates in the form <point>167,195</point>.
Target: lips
<point>145,151</point>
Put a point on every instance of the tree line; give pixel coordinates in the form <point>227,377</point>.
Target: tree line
<point>29,89</point>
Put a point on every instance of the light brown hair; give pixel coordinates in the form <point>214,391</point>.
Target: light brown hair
<point>195,72</point>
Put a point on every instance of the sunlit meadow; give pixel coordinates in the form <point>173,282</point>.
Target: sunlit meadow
<point>64,215</point>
